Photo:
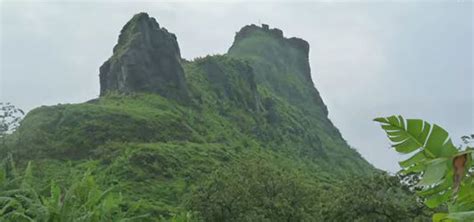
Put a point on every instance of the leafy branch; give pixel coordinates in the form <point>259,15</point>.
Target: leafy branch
<point>443,168</point>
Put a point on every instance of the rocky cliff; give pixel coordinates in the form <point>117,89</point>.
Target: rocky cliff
<point>280,63</point>
<point>146,59</point>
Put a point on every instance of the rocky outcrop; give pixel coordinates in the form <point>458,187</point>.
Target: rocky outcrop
<point>231,80</point>
<point>250,30</point>
<point>146,59</point>
<point>282,64</point>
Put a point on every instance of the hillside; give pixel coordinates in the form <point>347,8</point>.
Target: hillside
<point>186,136</point>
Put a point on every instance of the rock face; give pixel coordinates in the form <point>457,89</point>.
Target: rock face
<point>146,59</point>
<point>282,64</point>
<point>232,80</point>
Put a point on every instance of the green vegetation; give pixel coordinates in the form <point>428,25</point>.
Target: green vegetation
<point>445,170</point>
<point>82,201</point>
<point>167,161</point>
<point>252,143</point>
<point>378,198</point>
<point>253,188</point>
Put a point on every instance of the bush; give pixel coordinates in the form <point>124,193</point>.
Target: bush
<point>254,190</point>
<point>373,198</point>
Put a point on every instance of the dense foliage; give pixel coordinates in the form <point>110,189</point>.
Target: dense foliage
<point>376,198</point>
<point>445,170</point>
<point>252,189</point>
<point>82,201</point>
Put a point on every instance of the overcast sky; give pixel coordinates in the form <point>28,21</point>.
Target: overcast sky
<point>368,59</point>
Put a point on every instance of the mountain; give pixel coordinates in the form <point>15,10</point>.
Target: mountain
<point>261,88</point>
<point>240,135</point>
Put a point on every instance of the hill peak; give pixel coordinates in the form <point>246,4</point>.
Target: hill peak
<point>280,63</point>
<point>146,58</point>
<point>253,30</point>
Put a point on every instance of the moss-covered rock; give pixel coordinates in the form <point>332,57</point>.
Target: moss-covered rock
<point>146,59</point>
<point>280,63</point>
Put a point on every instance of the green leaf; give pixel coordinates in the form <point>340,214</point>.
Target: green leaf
<point>381,120</point>
<point>443,186</point>
<point>417,168</point>
<point>55,194</point>
<point>412,160</point>
<point>407,146</point>
<point>404,140</point>
<point>435,171</point>
<point>27,177</point>
<point>437,199</point>
<point>414,126</point>
<point>439,143</point>
<point>434,156</point>
<point>412,134</point>
<point>389,127</point>
<point>441,217</point>
<point>461,216</point>
<point>2,177</point>
<point>394,121</point>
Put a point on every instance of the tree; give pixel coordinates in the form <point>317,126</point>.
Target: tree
<point>443,168</point>
<point>255,190</point>
<point>378,197</point>
<point>10,117</point>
